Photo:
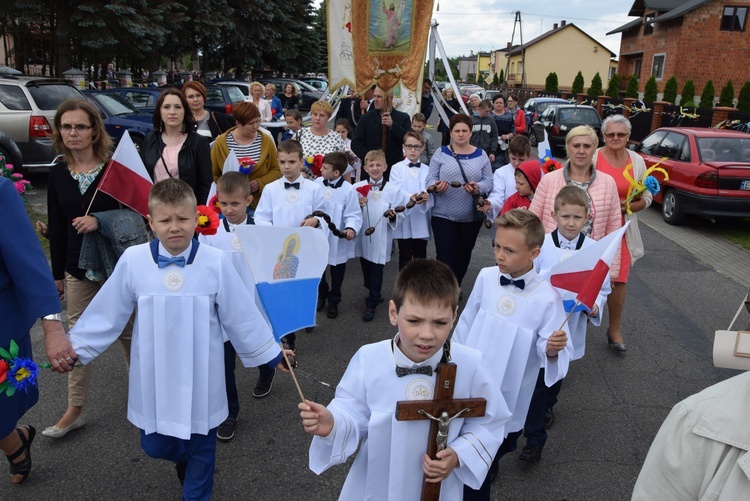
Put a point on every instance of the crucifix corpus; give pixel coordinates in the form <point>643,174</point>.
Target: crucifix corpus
<point>441,411</point>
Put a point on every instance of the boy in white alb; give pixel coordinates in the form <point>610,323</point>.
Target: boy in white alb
<point>504,178</point>
<point>512,316</point>
<point>571,213</point>
<point>342,206</point>
<point>188,295</point>
<point>290,201</point>
<point>410,176</point>
<point>376,197</point>
<point>391,461</point>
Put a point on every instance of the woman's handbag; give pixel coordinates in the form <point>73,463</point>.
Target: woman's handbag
<point>475,198</point>
<point>732,348</point>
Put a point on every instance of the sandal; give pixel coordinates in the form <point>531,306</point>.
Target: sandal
<point>22,468</point>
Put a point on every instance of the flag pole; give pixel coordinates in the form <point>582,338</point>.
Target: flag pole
<point>291,371</point>
<point>97,188</point>
<point>569,314</point>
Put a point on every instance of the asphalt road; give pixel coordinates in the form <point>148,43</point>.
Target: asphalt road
<point>609,411</point>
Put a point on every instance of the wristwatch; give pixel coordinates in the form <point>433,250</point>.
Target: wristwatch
<point>54,316</point>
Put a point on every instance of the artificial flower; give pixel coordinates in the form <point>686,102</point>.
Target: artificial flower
<point>647,182</point>
<point>314,163</point>
<point>6,170</point>
<point>22,374</point>
<point>208,221</point>
<point>364,190</point>
<point>213,204</point>
<point>550,164</point>
<point>652,185</point>
<point>4,368</point>
<point>246,165</point>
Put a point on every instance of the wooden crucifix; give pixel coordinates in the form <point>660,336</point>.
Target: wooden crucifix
<point>441,411</point>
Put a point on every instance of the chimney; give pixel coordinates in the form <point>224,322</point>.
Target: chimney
<point>554,26</point>
<point>508,46</point>
<point>562,23</point>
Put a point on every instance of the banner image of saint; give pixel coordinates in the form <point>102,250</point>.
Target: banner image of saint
<point>390,26</point>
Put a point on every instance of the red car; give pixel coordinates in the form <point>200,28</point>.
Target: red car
<point>709,171</point>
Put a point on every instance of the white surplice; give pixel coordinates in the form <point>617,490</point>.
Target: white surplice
<point>376,248</point>
<point>551,255</point>
<point>342,205</point>
<point>412,180</point>
<point>177,382</point>
<point>389,462</point>
<point>288,207</point>
<point>511,327</point>
<point>503,186</point>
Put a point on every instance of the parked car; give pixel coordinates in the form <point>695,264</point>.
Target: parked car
<point>27,109</point>
<point>218,98</point>
<point>559,119</point>
<point>319,83</point>
<point>119,115</point>
<point>143,99</point>
<point>534,107</point>
<point>709,171</point>
<point>307,93</point>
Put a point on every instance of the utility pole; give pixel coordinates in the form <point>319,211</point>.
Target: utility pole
<point>517,21</point>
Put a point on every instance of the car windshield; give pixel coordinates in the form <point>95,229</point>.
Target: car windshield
<point>114,104</point>
<point>724,149</point>
<point>306,86</point>
<point>578,116</point>
<point>541,106</point>
<point>235,94</point>
<point>49,96</point>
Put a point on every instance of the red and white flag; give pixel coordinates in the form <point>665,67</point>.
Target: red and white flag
<point>126,179</point>
<point>586,270</point>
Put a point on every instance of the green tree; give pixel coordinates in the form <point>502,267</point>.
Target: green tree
<point>502,77</point>
<point>670,90</point>
<point>596,86</point>
<point>726,98</point>
<point>613,88</point>
<point>632,89</point>
<point>650,91</point>
<point>688,93</point>
<point>743,100</point>
<point>550,85</point>
<point>577,84</point>
<point>707,96</point>
<point>496,80</point>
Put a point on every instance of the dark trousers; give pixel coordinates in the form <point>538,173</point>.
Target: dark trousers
<point>233,398</point>
<point>454,243</point>
<point>543,398</point>
<point>199,453</point>
<point>410,248</point>
<point>333,294</point>
<point>373,275</point>
<point>510,444</point>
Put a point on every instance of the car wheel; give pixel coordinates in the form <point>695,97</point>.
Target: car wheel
<point>671,210</point>
<point>138,142</point>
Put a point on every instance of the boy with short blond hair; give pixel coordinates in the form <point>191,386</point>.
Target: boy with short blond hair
<point>377,197</point>
<point>391,461</point>
<point>513,317</point>
<point>418,125</point>
<point>176,392</point>
<point>504,178</point>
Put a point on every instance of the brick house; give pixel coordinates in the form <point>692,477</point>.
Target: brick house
<point>695,39</point>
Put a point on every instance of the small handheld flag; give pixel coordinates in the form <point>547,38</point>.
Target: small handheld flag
<point>126,179</point>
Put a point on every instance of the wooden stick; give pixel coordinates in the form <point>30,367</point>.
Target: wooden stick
<point>92,200</point>
<point>569,314</point>
<point>291,371</point>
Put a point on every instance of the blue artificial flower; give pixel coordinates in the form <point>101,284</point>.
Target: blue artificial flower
<point>652,185</point>
<point>23,373</point>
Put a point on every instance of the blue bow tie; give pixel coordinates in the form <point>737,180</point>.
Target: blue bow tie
<point>166,261</point>
<point>507,281</point>
<point>291,185</point>
<point>417,164</point>
<point>404,371</point>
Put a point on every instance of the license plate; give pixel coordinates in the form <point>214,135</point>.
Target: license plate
<point>745,185</point>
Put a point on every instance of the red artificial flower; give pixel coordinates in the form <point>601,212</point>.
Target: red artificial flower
<point>213,204</point>
<point>364,190</point>
<point>551,165</point>
<point>208,221</point>
<point>4,367</point>
<point>316,165</point>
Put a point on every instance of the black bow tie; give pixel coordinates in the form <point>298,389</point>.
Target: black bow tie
<point>403,371</point>
<point>507,281</point>
<point>330,184</point>
<point>415,164</point>
<point>291,185</point>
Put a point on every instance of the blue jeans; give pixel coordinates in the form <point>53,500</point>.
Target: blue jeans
<point>543,398</point>
<point>199,453</point>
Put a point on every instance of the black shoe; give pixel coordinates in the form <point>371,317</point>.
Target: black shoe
<point>531,454</point>
<point>368,314</point>
<point>225,433</point>
<point>333,310</point>
<point>615,346</point>
<point>181,468</point>
<point>263,386</point>
<point>288,343</point>
<point>321,303</point>
<point>549,419</point>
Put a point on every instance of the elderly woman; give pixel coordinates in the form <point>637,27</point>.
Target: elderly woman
<point>318,139</point>
<point>474,101</point>
<point>450,100</point>
<point>174,149</point>
<point>289,99</point>
<point>257,91</point>
<point>248,143</point>
<point>207,123</point>
<point>453,216</point>
<point>506,130</point>
<point>601,189</point>
<point>616,160</point>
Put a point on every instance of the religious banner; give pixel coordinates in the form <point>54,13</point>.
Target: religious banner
<point>340,54</point>
<point>389,43</point>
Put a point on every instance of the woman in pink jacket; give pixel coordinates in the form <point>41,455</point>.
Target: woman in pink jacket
<point>601,189</point>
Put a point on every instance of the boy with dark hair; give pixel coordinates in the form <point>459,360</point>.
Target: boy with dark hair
<point>418,124</point>
<point>390,463</point>
<point>293,127</point>
<point>504,178</point>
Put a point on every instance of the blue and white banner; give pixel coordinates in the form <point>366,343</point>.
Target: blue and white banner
<point>544,150</point>
<point>286,264</point>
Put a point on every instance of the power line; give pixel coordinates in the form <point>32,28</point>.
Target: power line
<point>509,14</point>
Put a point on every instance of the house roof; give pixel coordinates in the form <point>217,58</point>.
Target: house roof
<point>668,9</point>
<point>635,23</point>
<point>679,11</point>
<point>641,6</point>
<point>518,48</point>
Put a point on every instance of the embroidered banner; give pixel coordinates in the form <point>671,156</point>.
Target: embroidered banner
<point>340,53</point>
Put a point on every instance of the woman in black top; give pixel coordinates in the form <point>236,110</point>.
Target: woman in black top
<point>289,99</point>
<point>210,124</point>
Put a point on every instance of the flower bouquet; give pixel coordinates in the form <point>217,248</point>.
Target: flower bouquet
<point>208,221</point>
<point>6,170</point>
<point>246,165</point>
<point>647,182</point>
<point>313,163</point>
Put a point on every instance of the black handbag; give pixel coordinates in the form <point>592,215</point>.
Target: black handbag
<point>475,198</point>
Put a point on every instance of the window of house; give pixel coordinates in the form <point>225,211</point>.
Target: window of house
<point>657,68</point>
<point>733,19</point>
<point>648,28</point>
<point>637,68</point>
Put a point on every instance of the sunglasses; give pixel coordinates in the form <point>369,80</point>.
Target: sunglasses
<point>618,135</point>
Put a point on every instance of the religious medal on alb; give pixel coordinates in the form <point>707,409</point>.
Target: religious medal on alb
<point>292,196</point>
<point>173,280</point>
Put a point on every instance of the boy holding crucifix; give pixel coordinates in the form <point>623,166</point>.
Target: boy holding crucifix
<point>391,461</point>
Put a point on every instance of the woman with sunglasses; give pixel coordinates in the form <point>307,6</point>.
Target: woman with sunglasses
<point>615,159</point>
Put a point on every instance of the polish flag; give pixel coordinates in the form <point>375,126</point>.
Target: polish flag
<point>126,179</point>
<point>586,270</point>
